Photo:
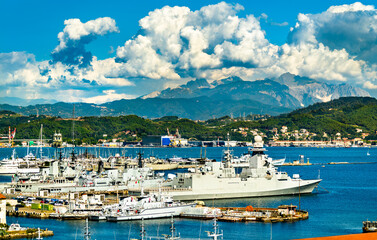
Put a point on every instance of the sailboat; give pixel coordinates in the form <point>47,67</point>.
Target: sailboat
<point>368,154</point>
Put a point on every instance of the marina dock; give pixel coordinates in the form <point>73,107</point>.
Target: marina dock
<point>28,233</point>
<point>284,213</point>
<point>329,163</point>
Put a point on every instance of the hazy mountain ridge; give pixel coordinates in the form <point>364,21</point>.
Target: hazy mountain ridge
<point>25,102</point>
<point>288,90</point>
<point>199,99</point>
<point>192,108</point>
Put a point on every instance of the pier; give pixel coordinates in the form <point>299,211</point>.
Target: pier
<point>329,163</point>
<point>28,233</point>
<point>284,213</point>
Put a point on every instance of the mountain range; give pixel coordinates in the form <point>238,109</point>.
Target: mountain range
<point>200,99</point>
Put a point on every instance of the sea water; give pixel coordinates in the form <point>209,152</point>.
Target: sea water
<point>347,196</point>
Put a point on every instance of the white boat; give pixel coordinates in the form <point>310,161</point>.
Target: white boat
<point>278,162</point>
<point>218,180</point>
<point>16,227</point>
<point>18,165</point>
<point>150,207</point>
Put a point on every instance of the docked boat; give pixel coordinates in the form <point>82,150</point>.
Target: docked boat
<point>18,165</point>
<point>216,180</point>
<point>150,207</point>
<point>369,226</point>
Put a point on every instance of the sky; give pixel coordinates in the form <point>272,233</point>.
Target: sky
<point>99,51</point>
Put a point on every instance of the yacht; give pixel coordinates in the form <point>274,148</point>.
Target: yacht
<point>18,165</point>
<point>149,207</point>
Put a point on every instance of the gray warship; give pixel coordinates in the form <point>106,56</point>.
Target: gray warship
<point>217,180</point>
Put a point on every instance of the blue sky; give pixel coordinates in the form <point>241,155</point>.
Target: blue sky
<point>32,26</point>
<point>266,38</point>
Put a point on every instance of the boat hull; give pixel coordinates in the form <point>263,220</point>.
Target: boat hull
<point>301,187</point>
<point>11,171</point>
<point>97,217</point>
<point>152,213</point>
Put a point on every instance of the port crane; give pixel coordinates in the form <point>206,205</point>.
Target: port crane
<point>8,137</point>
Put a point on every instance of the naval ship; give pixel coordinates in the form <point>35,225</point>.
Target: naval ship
<point>216,180</point>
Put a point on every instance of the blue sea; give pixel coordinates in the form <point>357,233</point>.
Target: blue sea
<point>347,196</point>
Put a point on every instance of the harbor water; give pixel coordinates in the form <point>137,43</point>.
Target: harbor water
<point>350,200</point>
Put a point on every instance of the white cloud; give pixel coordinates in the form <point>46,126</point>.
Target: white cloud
<point>175,44</point>
<point>71,49</point>
<point>369,85</point>
<point>109,95</point>
<point>355,7</point>
<point>75,30</point>
<point>351,27</point>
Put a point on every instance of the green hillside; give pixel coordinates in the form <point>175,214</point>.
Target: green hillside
<point>342,116</point>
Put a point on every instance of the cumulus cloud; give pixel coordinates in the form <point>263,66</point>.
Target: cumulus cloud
<point>181,43</point>
<point>175,44</point>
<point>71,71</point>
<point>369,85</point>
<point>350,27</point>
<point>74,37</point>
<point>109,95</point>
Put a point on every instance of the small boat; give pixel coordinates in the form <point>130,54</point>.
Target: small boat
<point>278,162</point>
<point>369,226</point>
<point>15,227</point>
<point>150,207</point>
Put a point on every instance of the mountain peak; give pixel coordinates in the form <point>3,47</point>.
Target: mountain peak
<point>195,84</point>
<point>226,81</point>
<point>291,80</point>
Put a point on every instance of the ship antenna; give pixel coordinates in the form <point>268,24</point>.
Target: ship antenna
<point>228,140</point>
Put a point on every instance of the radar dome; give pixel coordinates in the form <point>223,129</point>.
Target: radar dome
<point>258,138</point>
<point>258,142</point>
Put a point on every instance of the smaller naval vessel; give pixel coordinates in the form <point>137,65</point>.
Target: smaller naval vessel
<point>216,180</point>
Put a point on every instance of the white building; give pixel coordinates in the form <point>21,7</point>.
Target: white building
<point>3,210</point>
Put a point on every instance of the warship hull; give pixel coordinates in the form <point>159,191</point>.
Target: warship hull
<point>237,188</point>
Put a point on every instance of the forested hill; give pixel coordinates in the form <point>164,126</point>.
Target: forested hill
<point>343,116</point>
<point>347,104</point>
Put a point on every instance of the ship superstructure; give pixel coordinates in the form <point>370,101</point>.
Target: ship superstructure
<point>219,180</point>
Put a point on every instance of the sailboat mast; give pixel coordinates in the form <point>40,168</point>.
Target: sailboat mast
<point>87,233</point>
